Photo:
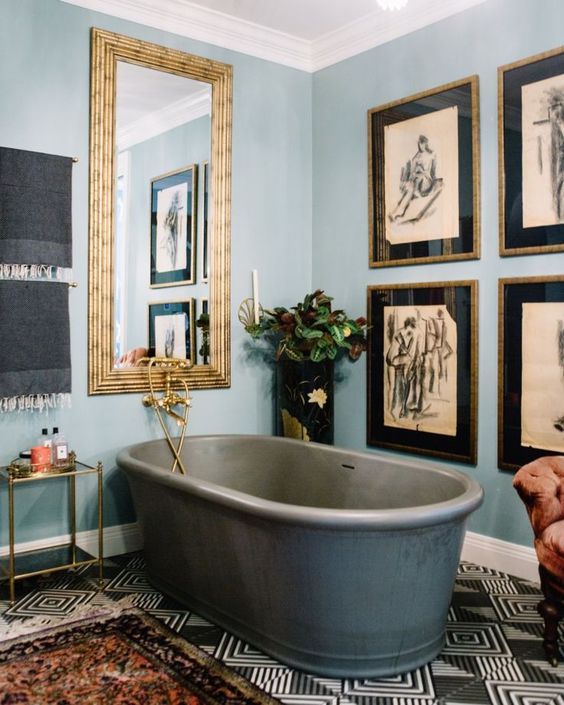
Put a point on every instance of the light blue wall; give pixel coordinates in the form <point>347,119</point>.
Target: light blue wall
<point>474,42</point>
<point>44,89</point>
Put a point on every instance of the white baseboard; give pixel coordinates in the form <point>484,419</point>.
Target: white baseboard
<point>511,558</point>
<point>118,539</point>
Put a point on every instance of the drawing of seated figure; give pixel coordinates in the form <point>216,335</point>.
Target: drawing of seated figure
<point>419,185</point>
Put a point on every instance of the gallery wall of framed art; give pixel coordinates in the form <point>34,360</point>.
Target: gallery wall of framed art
<point>424,208</point>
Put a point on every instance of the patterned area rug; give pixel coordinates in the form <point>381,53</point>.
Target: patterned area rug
<point>128,658</point>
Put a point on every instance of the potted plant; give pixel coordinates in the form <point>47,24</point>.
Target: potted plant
<point>307,339</point>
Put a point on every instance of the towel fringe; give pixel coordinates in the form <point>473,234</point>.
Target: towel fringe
<point>35,402</point>
<point>31,271</point>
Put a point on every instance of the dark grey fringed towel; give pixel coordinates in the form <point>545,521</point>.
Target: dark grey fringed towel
<point>35,364</point>
<point>35,208</point>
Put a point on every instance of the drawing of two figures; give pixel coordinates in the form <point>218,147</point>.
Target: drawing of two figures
<point>416,359</point>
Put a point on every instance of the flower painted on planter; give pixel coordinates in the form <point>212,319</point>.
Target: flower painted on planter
<point>318,396</point>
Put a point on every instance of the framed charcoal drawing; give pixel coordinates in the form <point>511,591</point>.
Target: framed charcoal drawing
<point>531,154</point>
<point>531,369</point>
<point>172,329</point>
<point>173,227</point>
<point>422,368</point>
<point>424,177</point>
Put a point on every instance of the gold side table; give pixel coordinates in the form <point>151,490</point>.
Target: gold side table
<point>25,564</point>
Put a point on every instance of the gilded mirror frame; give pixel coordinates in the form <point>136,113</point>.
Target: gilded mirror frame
<point>107,48</point>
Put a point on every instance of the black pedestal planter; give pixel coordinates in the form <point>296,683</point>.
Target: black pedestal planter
<point>304,396</point>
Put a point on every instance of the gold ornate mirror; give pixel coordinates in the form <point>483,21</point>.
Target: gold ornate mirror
<point>160,199</point>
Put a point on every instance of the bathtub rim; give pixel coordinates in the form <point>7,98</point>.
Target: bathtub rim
<point>404,518</point>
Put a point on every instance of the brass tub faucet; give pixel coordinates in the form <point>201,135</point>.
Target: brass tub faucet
<point>170,398</point>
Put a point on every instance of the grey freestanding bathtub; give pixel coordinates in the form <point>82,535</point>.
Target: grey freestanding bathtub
<point>335,562</point>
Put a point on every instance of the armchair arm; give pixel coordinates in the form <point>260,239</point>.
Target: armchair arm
<point>540,485</point>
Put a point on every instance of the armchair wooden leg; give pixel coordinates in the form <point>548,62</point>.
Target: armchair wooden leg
<point>551,610</point>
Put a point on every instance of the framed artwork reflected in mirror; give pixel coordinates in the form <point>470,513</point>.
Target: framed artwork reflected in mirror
<point>172,330</point>
<point>173,227</point>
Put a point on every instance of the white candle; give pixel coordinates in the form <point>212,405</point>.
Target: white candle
<point>256,296</point>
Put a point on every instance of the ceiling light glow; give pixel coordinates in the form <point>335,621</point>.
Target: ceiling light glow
<point>392,4</point>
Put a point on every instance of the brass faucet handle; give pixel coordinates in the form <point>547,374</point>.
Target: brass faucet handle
<point>148,400</point>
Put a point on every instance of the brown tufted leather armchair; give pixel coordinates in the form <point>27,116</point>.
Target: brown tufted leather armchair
<point>540,485</point>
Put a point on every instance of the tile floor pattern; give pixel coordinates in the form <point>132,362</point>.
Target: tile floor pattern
<point>493,652</point>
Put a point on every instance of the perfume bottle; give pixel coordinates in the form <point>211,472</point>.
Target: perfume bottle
<point>60,448</point>
<point>46,440</point>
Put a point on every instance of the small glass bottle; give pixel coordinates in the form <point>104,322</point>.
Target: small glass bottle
<point>46,440</point>
<point>60,448</point>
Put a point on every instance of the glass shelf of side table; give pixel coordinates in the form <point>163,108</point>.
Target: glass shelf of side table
<point>25,564</point>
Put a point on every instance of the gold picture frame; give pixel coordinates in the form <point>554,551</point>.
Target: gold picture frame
<point>529,220</point>
<point>423,368</point>
<point>521,347</point>
<point>424,177</point>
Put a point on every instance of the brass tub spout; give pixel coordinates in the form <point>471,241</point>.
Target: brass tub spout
<point>169,399</point>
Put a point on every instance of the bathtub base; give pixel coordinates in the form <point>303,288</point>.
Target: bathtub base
<point>375,666</point>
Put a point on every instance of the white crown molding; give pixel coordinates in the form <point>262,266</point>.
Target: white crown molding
<point>378,28</point>
<point>173,115</point>
<point>186,19</point>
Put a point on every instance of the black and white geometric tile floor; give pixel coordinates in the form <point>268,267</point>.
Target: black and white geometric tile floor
<point>492,656</point>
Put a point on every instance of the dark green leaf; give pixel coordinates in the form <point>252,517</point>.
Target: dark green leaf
<point>317,354</point>
<point>309,333</point>
<point>337,333</point>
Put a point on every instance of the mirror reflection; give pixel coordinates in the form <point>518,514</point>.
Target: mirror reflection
<point>161,216</point>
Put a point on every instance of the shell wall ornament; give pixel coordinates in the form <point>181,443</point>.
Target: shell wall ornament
<point>246,315</point>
